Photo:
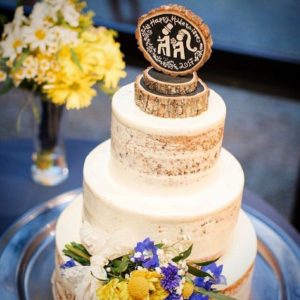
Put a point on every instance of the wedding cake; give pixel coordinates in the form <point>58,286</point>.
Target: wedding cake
<point>164,180</point>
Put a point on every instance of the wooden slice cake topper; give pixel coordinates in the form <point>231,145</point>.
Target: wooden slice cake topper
<point>174,40</point>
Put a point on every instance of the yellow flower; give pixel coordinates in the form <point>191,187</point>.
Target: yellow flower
<point>75,92</point>
<point>157,292</point>
<point>138,288</point>
<point>112,65</point>
<point>85,56</point>
<point>188,290</point>
<point>142,285</point>
<point>2,76</point>
<point>114,290</point>
<point>18,76</point>
<point>86,20</point>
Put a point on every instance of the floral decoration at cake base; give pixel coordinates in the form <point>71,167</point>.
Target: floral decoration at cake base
<point>151,271</point>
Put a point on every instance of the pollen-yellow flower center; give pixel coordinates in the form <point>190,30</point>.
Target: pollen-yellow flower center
<point>17,43</point>
<point>40,34</point>
<point>75,86</point>
<point>138,288</point>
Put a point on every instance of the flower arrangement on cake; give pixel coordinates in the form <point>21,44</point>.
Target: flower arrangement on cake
<point>150,271</point>
<point>57,53</point>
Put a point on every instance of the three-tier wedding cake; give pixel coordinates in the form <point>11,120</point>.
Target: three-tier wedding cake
<point>162,177</point>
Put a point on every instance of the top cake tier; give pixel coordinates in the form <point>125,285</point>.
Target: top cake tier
<point>165,150</point>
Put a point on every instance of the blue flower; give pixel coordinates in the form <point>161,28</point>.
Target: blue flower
<point>146,253</point>
<point>198,297</point>
<point>207,282</point>
<point>68,264</point>
<point>171,279</point>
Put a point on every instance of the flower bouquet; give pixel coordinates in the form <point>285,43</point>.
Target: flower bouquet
<point>150,271</point>
<point>58,54</point>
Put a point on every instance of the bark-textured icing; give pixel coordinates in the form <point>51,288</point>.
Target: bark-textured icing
<point>238,258</point>
<point>170,151</point>
<point>207,210</point>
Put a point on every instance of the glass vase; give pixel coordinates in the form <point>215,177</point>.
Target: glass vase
<point>49,161</point>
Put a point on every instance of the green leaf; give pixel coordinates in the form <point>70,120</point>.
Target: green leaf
<point>74,247</point>
<point>205,263</point>
<point>80,247</point>
<point>159,246</point>
<point>6,86</point>
<point>3,61</point>
<point>78,253</point>
<point>75,59</point>
<point>76,257</point>
<point>124,264</point>
<point>212,294</point>
<point>197,272</point>
<point>183,255</point>
<point>18,62</point>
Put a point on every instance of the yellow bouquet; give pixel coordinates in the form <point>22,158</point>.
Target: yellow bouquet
<point>58,52</point>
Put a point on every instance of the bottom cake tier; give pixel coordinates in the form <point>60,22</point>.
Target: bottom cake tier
<point>238,260</point>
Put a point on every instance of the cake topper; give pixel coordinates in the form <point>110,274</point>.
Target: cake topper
<point>174,40</point>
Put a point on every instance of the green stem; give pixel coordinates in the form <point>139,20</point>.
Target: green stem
<point>78,252</point>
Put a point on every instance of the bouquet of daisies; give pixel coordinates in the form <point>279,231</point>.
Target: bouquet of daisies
<point>58,52</point>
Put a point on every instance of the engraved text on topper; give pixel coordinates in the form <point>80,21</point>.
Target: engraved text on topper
<point>172,42</point>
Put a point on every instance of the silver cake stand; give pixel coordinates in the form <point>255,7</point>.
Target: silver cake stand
<point>27,255</point>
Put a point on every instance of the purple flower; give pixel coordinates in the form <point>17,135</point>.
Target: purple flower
<point>207,282</point>
<point>174,296</point>
<point>146,253</point>
<point>171,279</point>
<point>68,264</point>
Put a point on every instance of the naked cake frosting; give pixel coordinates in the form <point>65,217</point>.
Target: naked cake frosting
<point>160,215</point>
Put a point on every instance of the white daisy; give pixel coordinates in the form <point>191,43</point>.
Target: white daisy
<point>8,29</point>
<point>29,61</point>
<point>44,64</point>
<point>18,77</point>
<point>70,14</point>
<point>13,44</point>
<point>67,9</point>
<point>57,4</point>
<point>19,18</point>
<point>43,12</point>
<point>39,36</point>
<point>66,36</point>
<point>30,72</point>
<point>16,24</point>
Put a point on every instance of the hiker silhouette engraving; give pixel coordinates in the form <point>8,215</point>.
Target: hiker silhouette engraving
<point>173,43</point>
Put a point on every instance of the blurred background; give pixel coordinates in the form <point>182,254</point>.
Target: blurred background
<point>254,66</point>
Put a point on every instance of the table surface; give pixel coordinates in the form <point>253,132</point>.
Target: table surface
<point>19,193</point>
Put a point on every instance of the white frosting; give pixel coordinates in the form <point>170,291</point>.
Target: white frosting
<point>237,260</point>
<point>125,109</point>
<point>162,150</point>
<point>207,211</point>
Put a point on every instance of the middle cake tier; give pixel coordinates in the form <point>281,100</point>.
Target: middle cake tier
<point>164,150</point>
<point>120,210</point>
